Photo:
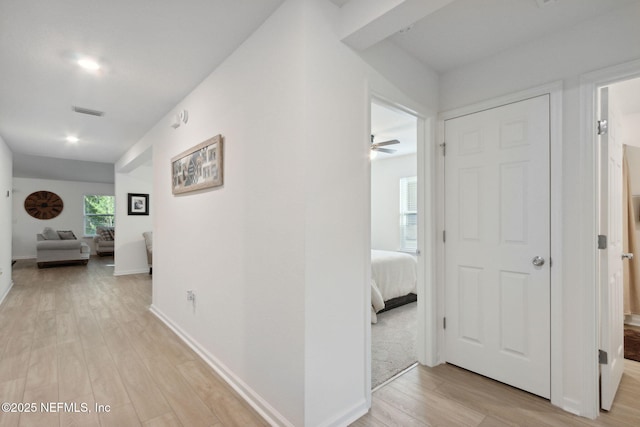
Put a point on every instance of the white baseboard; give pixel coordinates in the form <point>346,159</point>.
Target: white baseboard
<point>6,293</point>
<point>127,272</point>
<point>348,416</point>
<point>24,257</point>
<point>633,320</point>
<point>270,414</point>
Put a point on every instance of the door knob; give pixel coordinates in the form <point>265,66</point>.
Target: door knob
<point>627,256</point>
<point>538,261</point>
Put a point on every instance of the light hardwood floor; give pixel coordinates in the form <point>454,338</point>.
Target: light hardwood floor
<point>77,334</point>
<point>449,396</point>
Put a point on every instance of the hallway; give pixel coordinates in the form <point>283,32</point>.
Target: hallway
<point>78,334</point>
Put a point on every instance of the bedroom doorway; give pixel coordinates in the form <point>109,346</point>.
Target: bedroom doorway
<point>395,240</point>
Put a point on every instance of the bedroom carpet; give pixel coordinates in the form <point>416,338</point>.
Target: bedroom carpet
<point>632,344</point>
<point>393,343</point>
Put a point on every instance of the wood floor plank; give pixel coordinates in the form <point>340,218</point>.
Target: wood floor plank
<point>106,383</point>
<point>78,417</point>
<point>167,420</point>
<point>120,416</point>
<point>43,369</point>
<point>66,327</point>
<point>73,381</point>
<point>430,408</point>
<point>147,399</point>
<point>184,401</point>
<point>16,356</point>
<point>218,396</point>
<point>11,391</point>
<point>391,415</point>
<point>40,417</point>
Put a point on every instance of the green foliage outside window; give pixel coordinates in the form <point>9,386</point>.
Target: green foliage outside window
<point>99,211</point>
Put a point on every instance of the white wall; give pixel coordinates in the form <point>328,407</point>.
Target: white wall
<point>269,252</point>
<point>6,209</point>
<point>631,129</point>
<point>563,57</point>
<point>385,199</point>
<point>130,255</point>
<point>25,227</point>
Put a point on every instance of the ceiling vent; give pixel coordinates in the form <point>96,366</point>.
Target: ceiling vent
<point>88,111</point>
<point>543,3</point>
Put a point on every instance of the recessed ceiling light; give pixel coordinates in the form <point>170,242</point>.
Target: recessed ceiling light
<point>88,64</point>
<point>72,139</point>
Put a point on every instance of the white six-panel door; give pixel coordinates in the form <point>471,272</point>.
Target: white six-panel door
<point>497,221</point>
<point>611,271</point>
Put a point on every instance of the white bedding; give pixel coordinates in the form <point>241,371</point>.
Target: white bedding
<point>393,274</point>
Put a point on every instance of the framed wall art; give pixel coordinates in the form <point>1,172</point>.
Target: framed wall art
<point>138,204</point>
<point>199,167</point>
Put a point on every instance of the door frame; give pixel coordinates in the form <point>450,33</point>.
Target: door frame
<point>590,84</point>
<point>435,347</point>
<point>426,223</point>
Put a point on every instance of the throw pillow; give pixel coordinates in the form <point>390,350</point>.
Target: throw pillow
<point>105,234</point>
<point>50,234</point>
<point>66,235</point>
<point>112,232</point>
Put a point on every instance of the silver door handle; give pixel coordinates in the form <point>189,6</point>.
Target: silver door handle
<point>538,261</point>
<point>627,256</point>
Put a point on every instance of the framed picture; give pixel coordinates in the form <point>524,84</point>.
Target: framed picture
<point>138,204</point>
<point>199,167</point>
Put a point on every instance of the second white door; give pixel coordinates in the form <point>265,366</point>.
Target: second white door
<point>497,245</point>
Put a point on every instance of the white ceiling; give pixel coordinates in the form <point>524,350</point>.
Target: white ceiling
<point>154,53</point>
<point>466,31</point>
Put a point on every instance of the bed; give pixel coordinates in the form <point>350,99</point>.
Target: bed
<point>393,280</point>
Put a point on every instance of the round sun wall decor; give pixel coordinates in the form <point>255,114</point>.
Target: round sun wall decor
<point>43,205</point>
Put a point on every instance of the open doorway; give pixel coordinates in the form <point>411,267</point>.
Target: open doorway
<point>620,222</point>
<point>394,241</point>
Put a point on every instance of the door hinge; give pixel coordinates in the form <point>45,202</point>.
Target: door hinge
<point>444,148</point>
<point>603,357</point>
<point>602,241</point>
<point>444,323</point>
<point>444,236</point>
<point>603,127</point>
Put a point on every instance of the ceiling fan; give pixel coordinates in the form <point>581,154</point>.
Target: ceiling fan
<point>377,146</point>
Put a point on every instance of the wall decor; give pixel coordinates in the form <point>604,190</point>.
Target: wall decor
<point>138,204</point>
<point>43,205</point>
<point>198,167</point>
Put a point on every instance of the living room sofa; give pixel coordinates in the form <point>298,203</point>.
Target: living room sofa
<point>60,247</point>
<point>104,240</point>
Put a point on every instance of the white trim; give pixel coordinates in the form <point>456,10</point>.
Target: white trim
<point>589,85</point>
<point>270,414</point>
<point>633,320</point>
<point>6,293</point>
<point>24,256</point>
<point>426,229</point>
<point>127,272</point>
<point>554,90</point>
<point>396,376</point>
<point>348,416</point>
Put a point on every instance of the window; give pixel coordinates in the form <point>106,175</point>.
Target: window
<point>98,212</point>
<point>409,214</point>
